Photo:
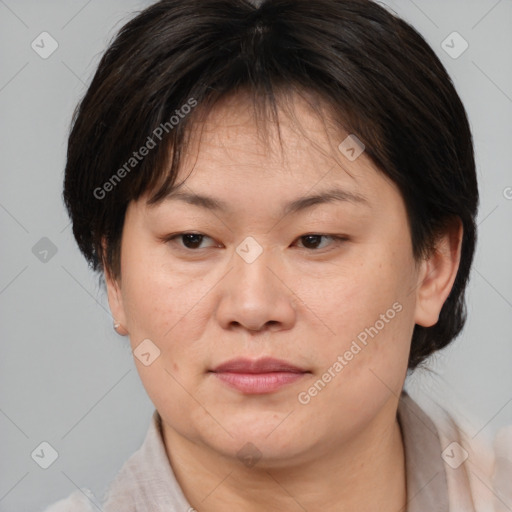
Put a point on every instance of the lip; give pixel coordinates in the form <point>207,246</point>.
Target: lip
<point>259,376</point>
<point>255,366</point>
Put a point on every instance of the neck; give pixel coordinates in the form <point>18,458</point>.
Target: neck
<point>365,474</point>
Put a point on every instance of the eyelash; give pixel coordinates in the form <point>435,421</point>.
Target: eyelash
<point>172,238</point>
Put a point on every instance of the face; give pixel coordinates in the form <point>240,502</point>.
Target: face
<point>272,319</point>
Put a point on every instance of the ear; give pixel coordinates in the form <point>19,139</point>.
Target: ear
<point>437,274</point>
<point>115,299</point>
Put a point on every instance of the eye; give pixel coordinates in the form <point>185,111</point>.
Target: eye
<point>192,241</point>
<point>189,240</point>
<point>312,241</point>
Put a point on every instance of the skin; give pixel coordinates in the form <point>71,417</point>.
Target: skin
<point>301,301</point>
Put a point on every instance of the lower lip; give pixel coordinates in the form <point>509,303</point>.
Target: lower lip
<point>258,383</point>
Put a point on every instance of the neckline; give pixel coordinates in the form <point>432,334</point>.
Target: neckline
<point>426,481</point>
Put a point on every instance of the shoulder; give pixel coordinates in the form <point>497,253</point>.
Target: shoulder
<point>120,493</point>
<point>477,469</point>
<point>485,465</point>
<point>79,501</point>
<point>145,482</point>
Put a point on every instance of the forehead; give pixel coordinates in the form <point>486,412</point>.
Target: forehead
<point>234,155</point>
<point>236,134</point>
<point>301,143</point>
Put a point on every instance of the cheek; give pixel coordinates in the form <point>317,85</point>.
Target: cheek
<point>168,312</point>
<point>352,296</point>
<point>152,296</point>
<point>364,364</point>
<point>369,312</point>
<point>172,311</point>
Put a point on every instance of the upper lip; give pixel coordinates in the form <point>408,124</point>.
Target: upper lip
<point>263,365</point>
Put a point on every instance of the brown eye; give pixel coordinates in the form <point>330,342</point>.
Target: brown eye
<point>191,240</point>
<point>313,241</point>
<point>188,240</point>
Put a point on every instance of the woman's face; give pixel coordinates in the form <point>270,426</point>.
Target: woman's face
<point>336,308</point>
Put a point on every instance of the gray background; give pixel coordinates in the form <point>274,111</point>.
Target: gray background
<point>66,377</point>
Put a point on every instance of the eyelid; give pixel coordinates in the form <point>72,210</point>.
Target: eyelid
<point>337,239</point>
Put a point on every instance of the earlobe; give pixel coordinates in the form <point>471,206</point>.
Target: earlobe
<point>120,329</point>
<point>437,275</point>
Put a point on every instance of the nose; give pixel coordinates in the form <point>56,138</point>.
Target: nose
<point>256,296</point>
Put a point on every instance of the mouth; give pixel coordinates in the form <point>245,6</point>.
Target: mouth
<point>258,376</point>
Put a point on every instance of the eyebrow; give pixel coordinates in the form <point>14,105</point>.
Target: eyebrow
<point>300,204</point>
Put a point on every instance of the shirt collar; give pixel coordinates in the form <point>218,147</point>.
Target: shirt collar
<point>427,487</point>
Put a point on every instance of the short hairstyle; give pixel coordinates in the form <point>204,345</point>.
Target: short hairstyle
<point>378,76</point>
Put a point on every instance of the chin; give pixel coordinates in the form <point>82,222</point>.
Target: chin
<point>262,452</point>
<point>261,435</point>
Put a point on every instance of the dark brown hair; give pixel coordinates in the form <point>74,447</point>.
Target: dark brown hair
<point>176,59</point>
